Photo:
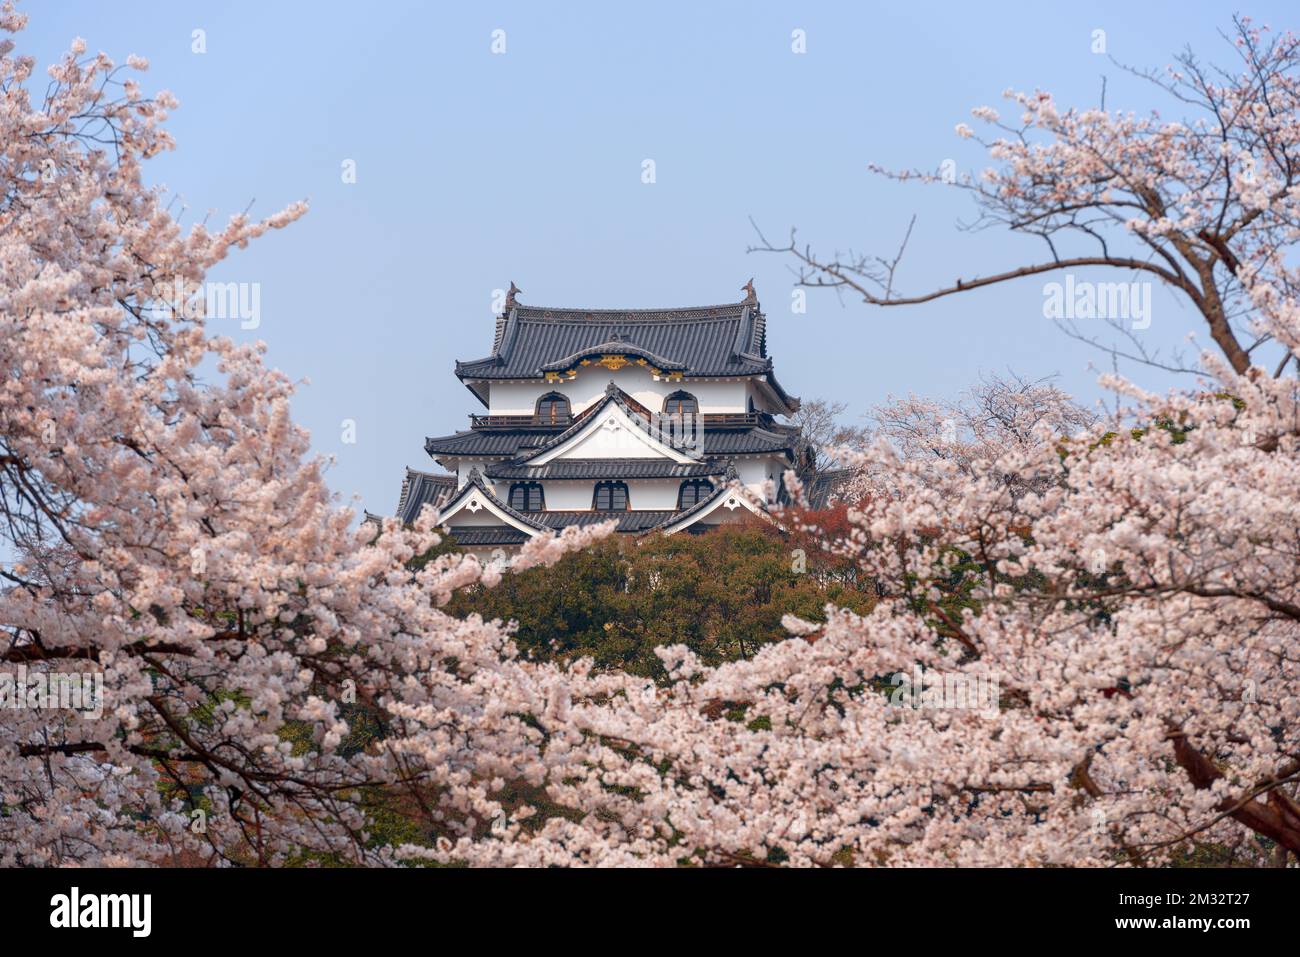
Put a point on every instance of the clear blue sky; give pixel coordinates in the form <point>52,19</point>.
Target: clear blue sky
<point>474,169</point>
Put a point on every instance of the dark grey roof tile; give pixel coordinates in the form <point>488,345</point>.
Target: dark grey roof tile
<point>727,339</point>
<point>507,442</point>
<point>510,443</point>
<point>614,347</point>
<point>746,440</point>
<point>824,488</point>
<point>638,520</point>
<point>423,488</point>
<point>488,535</point>
<point>604,469</point>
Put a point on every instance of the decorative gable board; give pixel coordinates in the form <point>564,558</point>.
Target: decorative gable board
<point>471,508</point>
<point>612,434</point>
<point>728,504</point>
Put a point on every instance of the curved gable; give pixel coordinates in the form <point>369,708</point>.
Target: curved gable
<point>611,429</point>
<point>475,497</point>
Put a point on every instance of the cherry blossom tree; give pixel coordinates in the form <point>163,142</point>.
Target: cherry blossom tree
<point>1119,601</point>
<point>174,537</point>
<point>987,420</point>
<point>1127,629</point>
<point>1204,204</point>
<point>1143,595</point>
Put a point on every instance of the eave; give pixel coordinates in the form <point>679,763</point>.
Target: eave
<point>475,494</point>
<point>732,495</point>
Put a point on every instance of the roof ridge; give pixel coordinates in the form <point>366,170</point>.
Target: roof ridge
<point>415,480</point>
<point>615,344</point>
<point>529,308</point>
<point>445,476</point>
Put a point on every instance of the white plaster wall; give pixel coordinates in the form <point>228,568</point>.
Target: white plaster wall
<point>642,494</point>
<point>520,398</point>
<point>611,434</point>
<point>576,494</point>
<point>618,440</point>
<point>761,402</point>
<point>462,467</point>
<point>483,516</point>
<point>754,473</point>
<point>726,516</point>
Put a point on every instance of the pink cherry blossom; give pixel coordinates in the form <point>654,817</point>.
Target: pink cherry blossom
<point>1131,589</point>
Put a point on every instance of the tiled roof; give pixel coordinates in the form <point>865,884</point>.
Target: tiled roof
<point>529,440</point>
<point>821,489</point>
<point>724,340</point>
<point>614,347</point>
<point>747,440</point>
<point>488,535</point>
<point>508,442</point>
<point>643,520</point>
<point>512,443</point>
<point>638,520</point>
<point>604,469</point>
<point>423,488</point>
<point>633,521</point>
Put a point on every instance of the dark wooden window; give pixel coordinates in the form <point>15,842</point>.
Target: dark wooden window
<point>693,492</point>
<point>681,403</point>
<point>527,497</point>
<point>553,409</point>
<point>610,497</point>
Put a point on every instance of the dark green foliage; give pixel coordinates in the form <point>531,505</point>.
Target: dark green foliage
<point>722,594</point>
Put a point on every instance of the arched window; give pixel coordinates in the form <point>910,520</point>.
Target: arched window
<point>610,497</point>
<point>681,403</point>
<point>553,409</point>
<point>693,492</point>
<point>527,497</point>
